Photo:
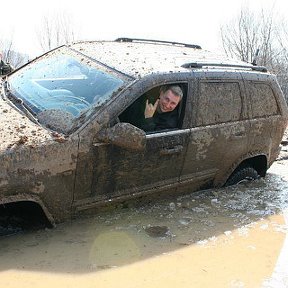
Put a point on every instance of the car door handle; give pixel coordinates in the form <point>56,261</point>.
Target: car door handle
<point>169,151</point>
<point>238,135</point>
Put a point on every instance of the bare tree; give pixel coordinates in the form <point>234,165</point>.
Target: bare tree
<point>281,66</point>
<point>6,46</point>
<point>56,30</point>
<point>242,36</point>
<point>249,31</point>
<point>14,58</point>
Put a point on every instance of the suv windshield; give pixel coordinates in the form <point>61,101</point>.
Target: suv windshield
<point>62,85</point>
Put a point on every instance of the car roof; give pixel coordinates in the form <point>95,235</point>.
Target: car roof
<point>140,58</point>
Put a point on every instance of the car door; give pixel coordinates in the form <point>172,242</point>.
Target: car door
<point>112,172</point>
<point>219,132</point>
<point>126,172</point>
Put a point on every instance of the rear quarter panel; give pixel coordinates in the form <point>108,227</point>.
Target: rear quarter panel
<point>268,113</point>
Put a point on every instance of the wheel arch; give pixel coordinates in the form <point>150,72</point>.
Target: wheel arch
<point>257,161</point>
<point>22,204</point>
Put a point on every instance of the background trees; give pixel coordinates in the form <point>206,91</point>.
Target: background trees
<point>249,31</point>
<point>16,59</point>
<point>55,30</point>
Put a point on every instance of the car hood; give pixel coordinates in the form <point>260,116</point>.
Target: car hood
<point>18,130</point>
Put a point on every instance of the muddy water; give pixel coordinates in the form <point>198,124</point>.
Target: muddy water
<point>232,237</point>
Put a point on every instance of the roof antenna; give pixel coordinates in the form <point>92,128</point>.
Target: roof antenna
<point>254,62</point>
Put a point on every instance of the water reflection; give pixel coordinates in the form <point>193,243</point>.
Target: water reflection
<point>117,245</point>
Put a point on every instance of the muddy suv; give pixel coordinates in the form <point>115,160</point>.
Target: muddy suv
<point>69,142</point>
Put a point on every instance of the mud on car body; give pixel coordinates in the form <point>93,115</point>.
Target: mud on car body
<point>68,145</point>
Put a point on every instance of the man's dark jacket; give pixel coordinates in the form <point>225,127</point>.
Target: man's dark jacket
<point>160,121</point>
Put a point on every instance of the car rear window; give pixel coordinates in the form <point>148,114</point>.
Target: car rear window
<point>263,100</point>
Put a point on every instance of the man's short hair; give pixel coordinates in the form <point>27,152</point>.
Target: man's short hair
<point>176,90</point>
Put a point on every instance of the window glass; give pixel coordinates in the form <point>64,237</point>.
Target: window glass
<point>219,102</point>
<point>64,83</point>
<point>62,88</point>
<point>262,100</point>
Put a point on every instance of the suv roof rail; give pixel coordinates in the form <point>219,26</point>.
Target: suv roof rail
<point>124,39</point>
<point>201,65</point>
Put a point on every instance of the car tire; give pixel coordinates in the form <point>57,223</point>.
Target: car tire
<point>242,174</point>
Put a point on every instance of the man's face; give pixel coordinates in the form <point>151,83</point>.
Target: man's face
<point>168,101</point>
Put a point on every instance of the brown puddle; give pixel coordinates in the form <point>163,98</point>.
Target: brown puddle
<point>223,238</point>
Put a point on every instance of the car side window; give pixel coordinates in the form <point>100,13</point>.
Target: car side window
<point>164,106</point>
<point>218,103</point>
<point>262,100</point>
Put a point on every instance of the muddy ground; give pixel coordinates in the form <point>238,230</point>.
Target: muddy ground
<point>230,237</point>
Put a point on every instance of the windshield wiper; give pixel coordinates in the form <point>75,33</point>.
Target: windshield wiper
<point>18,102</point>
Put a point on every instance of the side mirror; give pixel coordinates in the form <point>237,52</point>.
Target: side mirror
<point>124,135</point>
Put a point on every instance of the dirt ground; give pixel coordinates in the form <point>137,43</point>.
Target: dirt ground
<point>230,237</point>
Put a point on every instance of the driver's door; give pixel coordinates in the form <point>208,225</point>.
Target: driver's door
<point>118,171</point>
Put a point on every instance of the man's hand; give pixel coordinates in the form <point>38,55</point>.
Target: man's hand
<point>150,109</point>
